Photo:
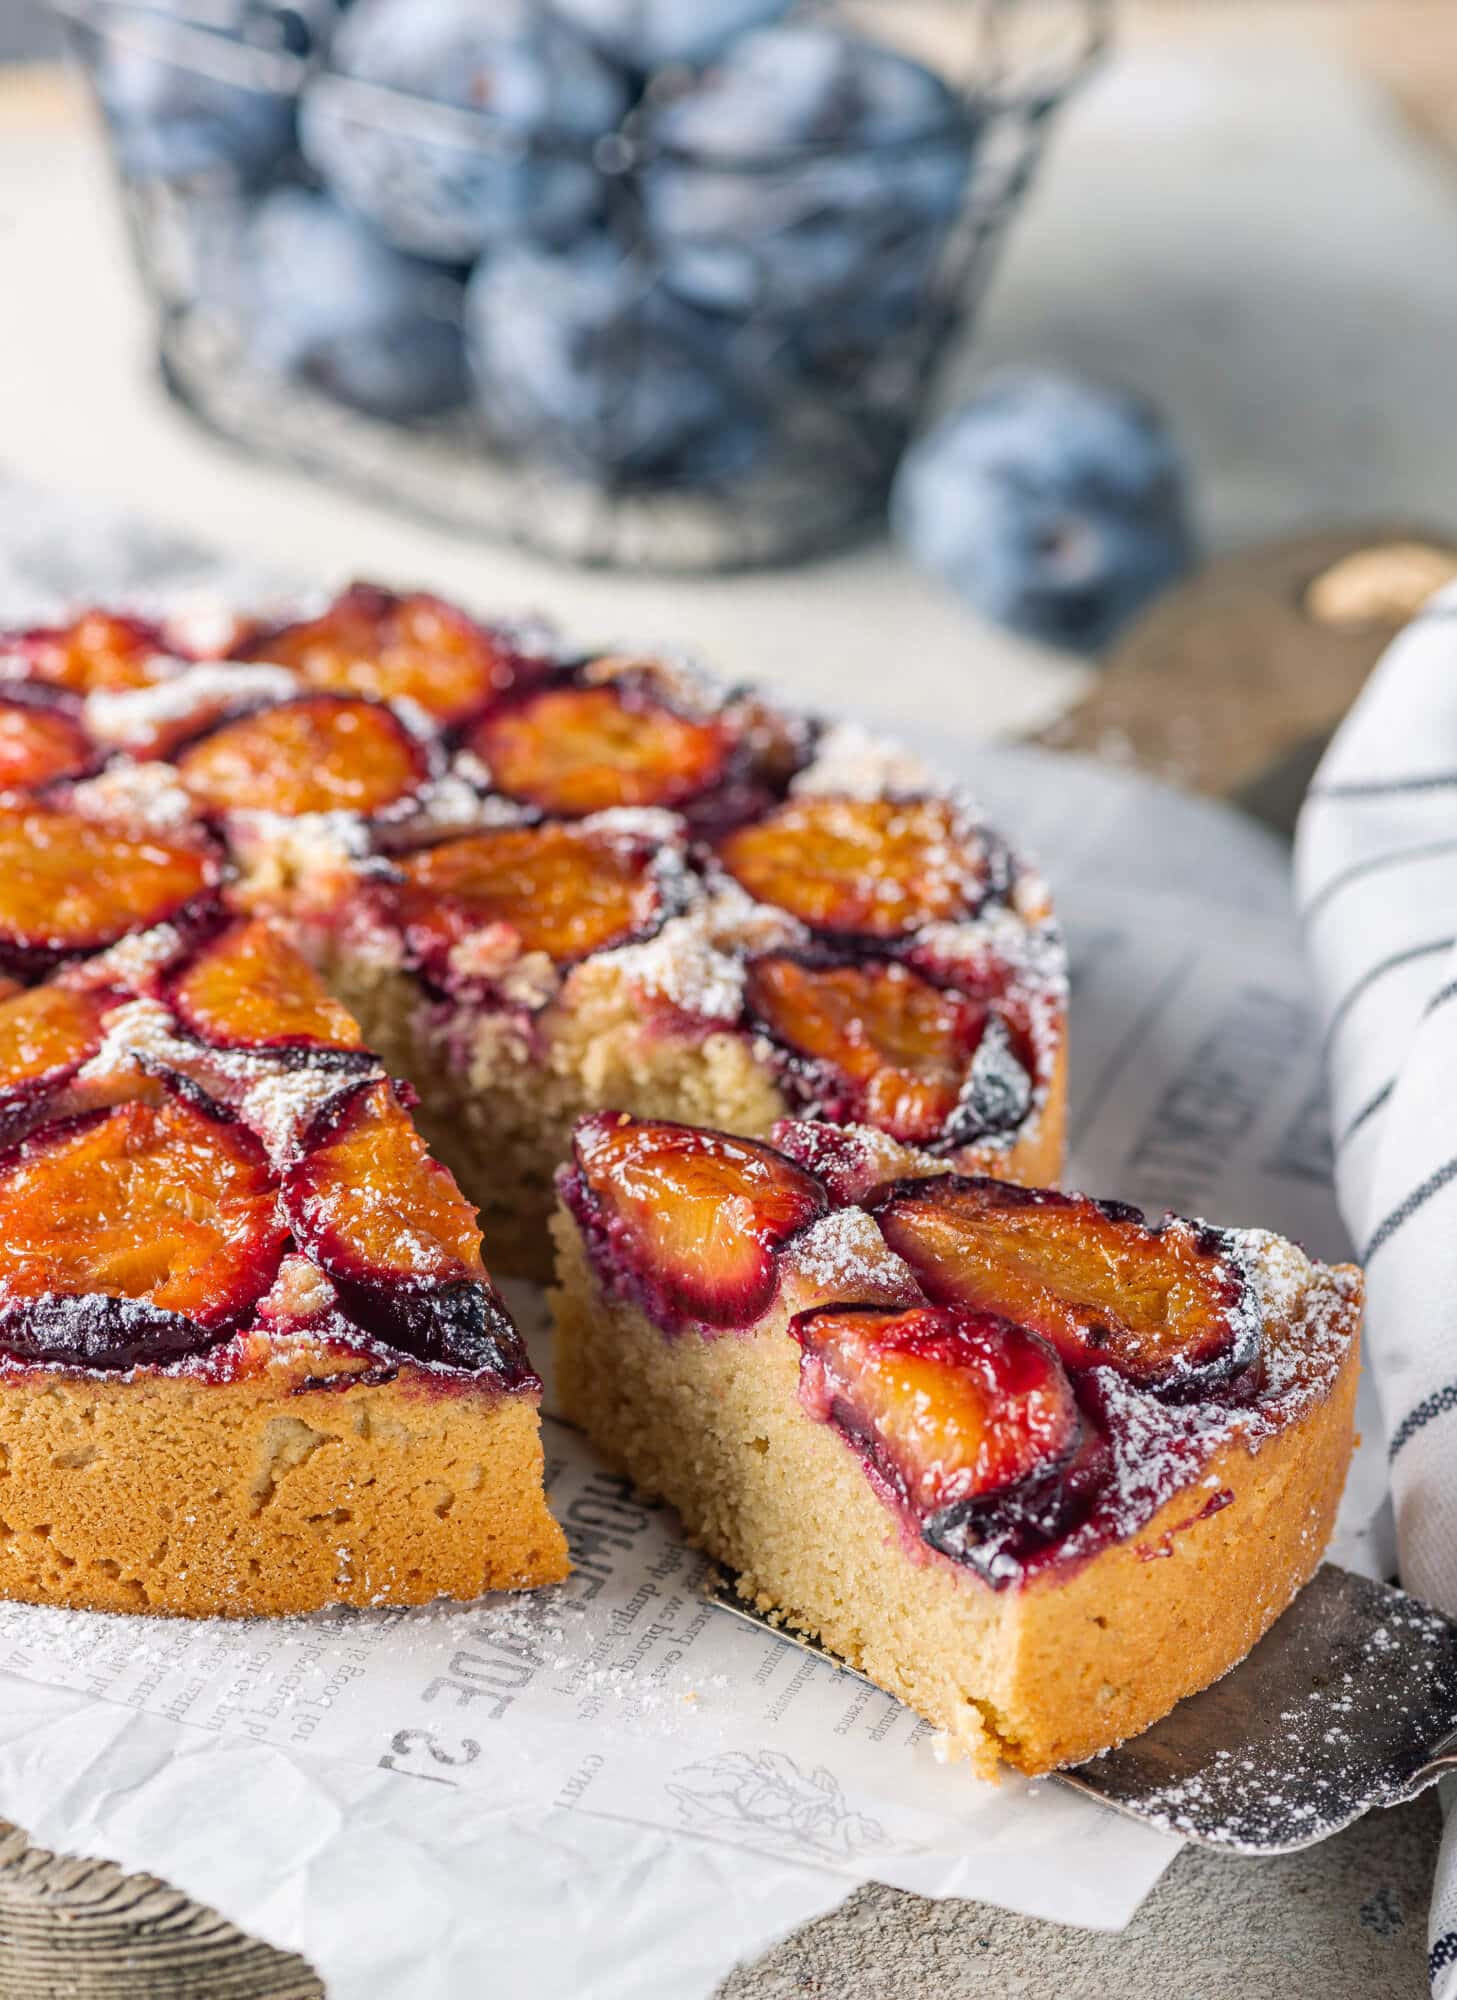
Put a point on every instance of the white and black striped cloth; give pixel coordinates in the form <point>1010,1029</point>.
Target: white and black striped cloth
<point>1376,873</point>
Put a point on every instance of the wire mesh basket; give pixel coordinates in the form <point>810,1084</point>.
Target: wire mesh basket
<point>660,284</point>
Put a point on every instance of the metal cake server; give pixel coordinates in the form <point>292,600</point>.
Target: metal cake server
<point>1348,1702</point>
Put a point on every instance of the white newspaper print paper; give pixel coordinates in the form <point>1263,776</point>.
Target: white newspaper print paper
<point>622,1693</point>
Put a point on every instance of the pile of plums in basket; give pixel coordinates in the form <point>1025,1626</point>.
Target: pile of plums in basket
<point>640,236</point>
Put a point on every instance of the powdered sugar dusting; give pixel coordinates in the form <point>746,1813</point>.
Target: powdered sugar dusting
<point>698,961</point>
<point>674,676</point>
<point>280,1102</point>
<point>493,956</point>
<point>202,622</point>
<point>130,964</point>
<point>843,1258</point>
<point>137,1032</point>
<point>276,1096</point>
<point>129,718</point>
<point>142,794</point>
<point>851,1159</point>
<point>851,763</point>
<point>302,841</point>
<point>638,823</point>
<point>301,1292</point>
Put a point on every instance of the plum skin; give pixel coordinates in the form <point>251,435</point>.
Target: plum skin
<point>373,328</point>
<point>585,360</point>
<point>168,118</point>
<point>525,74</point>
<point>1053,506</point>
<point>810,170</point>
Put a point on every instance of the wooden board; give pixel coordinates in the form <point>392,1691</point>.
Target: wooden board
<point>1232,684</point>
<point>85,1930</point>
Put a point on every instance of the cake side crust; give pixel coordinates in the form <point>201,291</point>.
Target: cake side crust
<point>288,1489</point>
<point>1104,1652</point>
<point>1038,1676</point>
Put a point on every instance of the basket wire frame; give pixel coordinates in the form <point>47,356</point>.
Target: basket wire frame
<point>835,433</point>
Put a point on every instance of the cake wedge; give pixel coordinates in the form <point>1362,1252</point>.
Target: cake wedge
<point>1035,1466</point>
<point>251,1360</point>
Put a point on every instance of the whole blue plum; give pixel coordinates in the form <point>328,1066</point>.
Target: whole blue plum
<point>483,130</point>
<point>321,300</point>
<point>582,358</point>
<point>192,87</point>
<point>1053,505</point>
<point>645,35</point>
<point>808,171</point>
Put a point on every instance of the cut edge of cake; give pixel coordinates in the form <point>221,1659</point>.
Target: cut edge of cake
<point>299,1484</point>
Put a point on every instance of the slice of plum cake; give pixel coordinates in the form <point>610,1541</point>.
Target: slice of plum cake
<point>1037,1467</point>
<point>251,1360</point>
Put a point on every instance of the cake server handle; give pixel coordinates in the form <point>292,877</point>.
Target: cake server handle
<point>1442,1760</point>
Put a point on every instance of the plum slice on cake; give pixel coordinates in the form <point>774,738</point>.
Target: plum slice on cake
<point>314,754</point>
<point>72,883</point>
<point>876,1042</point>
<point>97,650</point>
<point>1035,1465</point>
<point>42,739</point>
<point>393,646</point>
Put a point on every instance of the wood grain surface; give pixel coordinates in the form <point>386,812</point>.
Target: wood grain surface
<point>84,1929</point>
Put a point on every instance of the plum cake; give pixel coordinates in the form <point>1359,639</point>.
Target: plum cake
<point>1034,1465</point>
<point>299,920</point>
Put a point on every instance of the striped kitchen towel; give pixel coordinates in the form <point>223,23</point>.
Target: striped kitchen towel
<point>1376,876</point>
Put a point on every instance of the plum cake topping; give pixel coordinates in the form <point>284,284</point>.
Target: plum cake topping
<point>153,721</point>
<point>566,890</point>
<point>39,743</point>
<point>971,1421</point>
<point>320,753</point>
<point>72,884</point>
<point>172,1129</point>
<point>688,1221</point>
<point>46,1033</point>
<point>97,650</point>
<point>861,867</point>
<point>876,1043</point>
<point>247,988</point>
<point>372,642</point>
<point>578,750</point>
<point>413,792</point>
<point>1168,1306</point>
<point>133,1234</point>
<point>401,1243</point>
<point>450,819</point>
